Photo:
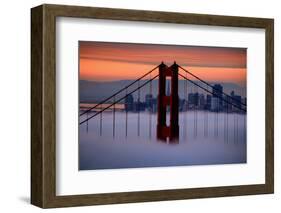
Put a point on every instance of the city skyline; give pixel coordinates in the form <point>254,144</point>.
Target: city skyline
<point>148,98</point>
<point>194,100</point>
<point>97,91</point>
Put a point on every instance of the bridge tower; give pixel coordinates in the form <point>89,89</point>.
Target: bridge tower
<point>164,100</point>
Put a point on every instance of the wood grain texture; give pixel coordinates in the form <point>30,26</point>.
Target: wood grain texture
<point>269,106</point>
<point>36,106</point>
<point>43,105</point>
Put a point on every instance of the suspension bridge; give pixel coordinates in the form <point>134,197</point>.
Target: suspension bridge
<point>167,102</point>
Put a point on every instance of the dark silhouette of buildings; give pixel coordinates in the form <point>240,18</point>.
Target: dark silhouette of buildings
<point>217,90</point>
<point>139,106</point>
<point>217,98</point>
<point>129,103</point>
<point>195,101</point>
<point>236,100</point>
<point>208,102</point>
<point>148,101</point>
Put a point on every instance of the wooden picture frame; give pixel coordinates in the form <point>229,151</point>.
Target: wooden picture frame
<point>43,105</point>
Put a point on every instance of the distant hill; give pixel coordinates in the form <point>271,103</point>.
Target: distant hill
<point>94,91</point>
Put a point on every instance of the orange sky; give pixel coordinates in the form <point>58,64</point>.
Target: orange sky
<point>106,61</point>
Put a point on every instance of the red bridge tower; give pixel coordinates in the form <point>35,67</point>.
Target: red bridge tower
<point>164,131</point>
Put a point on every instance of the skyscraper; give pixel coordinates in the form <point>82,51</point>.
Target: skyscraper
<point>148,101</point>
<point>218,93</point>
<point>129,102</point>
<point>208,102</point>
<point>215,106</point>
<point>201,101</point>
<point>236,100</point>
<point>217,90</point>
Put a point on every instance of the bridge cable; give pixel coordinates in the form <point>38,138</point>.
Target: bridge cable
<point>210,85</point>
<point>196,110</point>
<point>150,106</point>
<point>212,93</point>
<point>192,106</point>
<point>87,124</point>
<point>224,125</point>
<point>227,114</point>
<point>217,117</point>
<point>126,117</point>
<point>138,108</point>
<point>234,127</point>
<point>113,128</point>
<point>119,91</point>
<point>117,101</point>
<point>100,120</point>
<point>184,109</point>
<point>244,127</point>
<point>206,121</point>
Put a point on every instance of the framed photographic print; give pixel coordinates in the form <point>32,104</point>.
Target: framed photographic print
<point>136,106</point>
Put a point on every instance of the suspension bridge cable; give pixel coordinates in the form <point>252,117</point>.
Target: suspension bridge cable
<point>100,121</point>
<point>150,106</point>
<point>206,125</point>
<point>121,90</point>
<point>206,121</point>
<point>227,122</point>
<point>126,117</point>
<point>237,132</point>
<point>224,126</point>
<point>210,85</point>
<point>217,117</point>
<point>212,93</point>
<point>113,128</point>
<point>196,108</point>
<point>234,128</point>
<point>184,109</point>
<point>87,123</point>
<point>139,108</point>
<point>244,127</point>
<point>206,132</point>
<point>120,99</point>
<point>192,89</point>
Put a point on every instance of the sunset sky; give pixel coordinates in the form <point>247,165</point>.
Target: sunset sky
<point>106,61</point>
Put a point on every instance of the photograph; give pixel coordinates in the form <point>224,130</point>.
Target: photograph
<point>145,105</point>
<point>160,105</point>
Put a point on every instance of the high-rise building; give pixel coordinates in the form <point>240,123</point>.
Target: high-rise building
<point>227,107</point>
<point>182,105</point>
<point>215,104</point>
<point>193,100</point>
<point>218,93</point>
<point>129,103</point>
<point>208,102</point>
<point>138,106</point>
<point>217,90</point>
<point>244,101</point>
<point>190,99</point>
<point>154,105</point>
<point>201,101</point>
<point>148,101</point>
<point>236,101</point>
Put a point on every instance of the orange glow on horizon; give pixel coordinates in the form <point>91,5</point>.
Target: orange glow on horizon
<point>101,61</point>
